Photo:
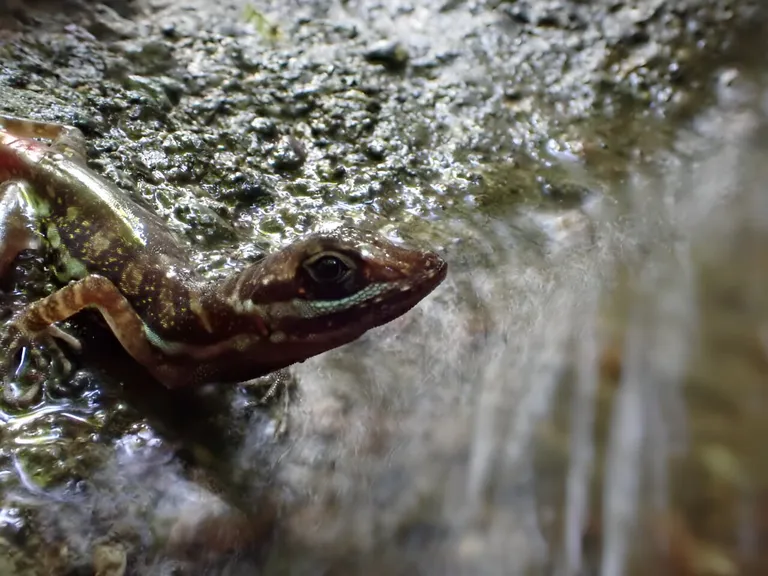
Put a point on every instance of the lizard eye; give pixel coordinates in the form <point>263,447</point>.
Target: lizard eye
<point>328,269</point>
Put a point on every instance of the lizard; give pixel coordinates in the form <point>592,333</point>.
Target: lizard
<point>112,255</point>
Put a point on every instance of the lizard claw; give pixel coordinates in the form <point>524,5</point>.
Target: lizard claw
<point>30,361</point>
<point>276,384</point>
<point>23,395</point>
<point>59,334</point>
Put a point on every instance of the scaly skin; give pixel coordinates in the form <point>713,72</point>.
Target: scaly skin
<point>314,295</point>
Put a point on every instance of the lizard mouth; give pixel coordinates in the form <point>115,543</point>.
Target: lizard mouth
<point>402,295</point>
<point>406,294</point>
<point>391,300</point>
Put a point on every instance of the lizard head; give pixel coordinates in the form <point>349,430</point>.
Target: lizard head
<point>329,288</point>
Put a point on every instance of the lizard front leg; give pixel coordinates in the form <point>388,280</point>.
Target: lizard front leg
<point>35,323</point>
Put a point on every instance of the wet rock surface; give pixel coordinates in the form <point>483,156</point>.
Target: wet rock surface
<point>245,124</point>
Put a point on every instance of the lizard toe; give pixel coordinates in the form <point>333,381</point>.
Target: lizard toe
<point>30,362</point>
<point>23,395</point>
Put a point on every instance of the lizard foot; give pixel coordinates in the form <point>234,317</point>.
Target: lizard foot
<point>276,384</point>
<point>32,360</point>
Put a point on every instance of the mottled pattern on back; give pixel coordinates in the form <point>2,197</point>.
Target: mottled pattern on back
<point>109,234</point>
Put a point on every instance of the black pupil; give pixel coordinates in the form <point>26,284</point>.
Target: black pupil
<point>328,269</point>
